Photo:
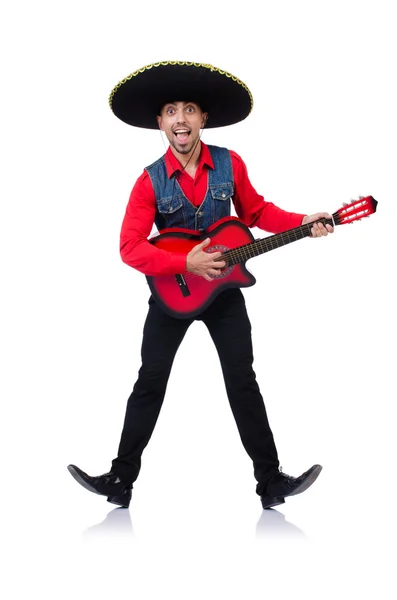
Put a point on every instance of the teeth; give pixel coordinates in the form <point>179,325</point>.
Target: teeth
<point>181,131</point>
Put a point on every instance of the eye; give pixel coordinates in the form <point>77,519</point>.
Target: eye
<point>170,110</point>
<point>190,109</point>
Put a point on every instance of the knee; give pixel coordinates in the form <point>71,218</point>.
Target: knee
<point>155,372</point>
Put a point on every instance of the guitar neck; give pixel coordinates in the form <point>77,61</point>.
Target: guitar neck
<point>258,247</point>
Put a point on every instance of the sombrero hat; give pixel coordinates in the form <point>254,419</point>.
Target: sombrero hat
<point>137,99</point>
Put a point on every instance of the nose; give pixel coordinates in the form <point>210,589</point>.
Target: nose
<point>180,114</point>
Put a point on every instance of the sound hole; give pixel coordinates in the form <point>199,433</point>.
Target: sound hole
<point>228,269</point>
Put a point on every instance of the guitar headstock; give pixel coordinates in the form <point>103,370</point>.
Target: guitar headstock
<point>355,210</point>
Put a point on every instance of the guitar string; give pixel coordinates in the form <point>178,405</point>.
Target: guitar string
<point>285,237</point>
<point>240,253</point>
<point>270,242</point>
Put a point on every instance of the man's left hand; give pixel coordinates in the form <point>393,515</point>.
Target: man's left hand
<point>318,229</point>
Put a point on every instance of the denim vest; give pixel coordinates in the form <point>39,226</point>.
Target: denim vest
<point>175,210</point>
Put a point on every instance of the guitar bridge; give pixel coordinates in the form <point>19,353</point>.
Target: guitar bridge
<point>183,286</point>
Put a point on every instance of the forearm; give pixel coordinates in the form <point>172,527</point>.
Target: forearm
<point>149,260</point>
<point>276,220</point>
<point>135,249</point>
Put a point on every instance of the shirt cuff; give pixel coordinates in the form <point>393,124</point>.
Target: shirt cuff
<point>178,263</point>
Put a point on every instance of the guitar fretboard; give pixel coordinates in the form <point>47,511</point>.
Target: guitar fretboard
<point>243,253</point>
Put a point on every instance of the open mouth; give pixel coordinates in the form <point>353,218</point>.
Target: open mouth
<point>182,134</point>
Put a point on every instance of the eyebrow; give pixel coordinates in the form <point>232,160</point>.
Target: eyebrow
<point>176,102</point>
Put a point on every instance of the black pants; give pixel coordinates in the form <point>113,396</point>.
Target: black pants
<point>229,326</point>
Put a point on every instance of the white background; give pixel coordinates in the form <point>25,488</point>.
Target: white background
<point>322,131</point>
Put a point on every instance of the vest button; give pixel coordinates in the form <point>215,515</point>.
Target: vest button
<point>223,194</point>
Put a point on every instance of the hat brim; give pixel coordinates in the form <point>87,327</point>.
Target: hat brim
<point>138,98</point>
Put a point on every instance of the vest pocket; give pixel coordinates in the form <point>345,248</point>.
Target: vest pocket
<point>221,196</point>
<point>169,205</point>
<point>222,192</point>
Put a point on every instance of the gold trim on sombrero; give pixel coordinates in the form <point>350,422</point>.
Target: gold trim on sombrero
<point>183,64</point>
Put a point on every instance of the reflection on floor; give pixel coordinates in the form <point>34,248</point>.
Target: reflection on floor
<point>271,524</point>
<point>117,522</point>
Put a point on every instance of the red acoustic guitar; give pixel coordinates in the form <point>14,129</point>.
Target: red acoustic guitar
<point>186,295</point>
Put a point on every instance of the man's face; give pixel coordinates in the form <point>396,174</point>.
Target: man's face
<point>181,123</point>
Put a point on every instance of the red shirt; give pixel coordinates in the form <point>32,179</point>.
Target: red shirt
<point>138,221</point>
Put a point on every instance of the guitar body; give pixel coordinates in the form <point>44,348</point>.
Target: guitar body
<point>190,299</point>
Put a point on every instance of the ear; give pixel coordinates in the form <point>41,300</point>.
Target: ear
<point>204,119</point>
<point>159,123</point>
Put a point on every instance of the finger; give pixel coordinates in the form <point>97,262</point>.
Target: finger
<point>214,254</point>
<point>218,264</point>
<point>208,277</point>
<point>213,273</point>
<point>203,244</point>
<point>316,230</point>
<point>200,247</point>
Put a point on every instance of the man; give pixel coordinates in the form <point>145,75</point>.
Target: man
<point>192,187</point>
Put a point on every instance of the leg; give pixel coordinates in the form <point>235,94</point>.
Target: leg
<point>230,329</point>
<point>162,336</point>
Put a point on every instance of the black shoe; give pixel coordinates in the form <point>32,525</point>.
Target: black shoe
<point>282,485</point>
<point>109,485</point>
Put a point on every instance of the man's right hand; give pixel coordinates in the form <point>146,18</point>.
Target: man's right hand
<point>203,263</point>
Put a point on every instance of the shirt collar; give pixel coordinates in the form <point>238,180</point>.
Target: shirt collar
<point>173,165</point>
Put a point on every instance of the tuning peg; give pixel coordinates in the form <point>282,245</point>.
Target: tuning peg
<point>360,197</point>
<point>345,204</point>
